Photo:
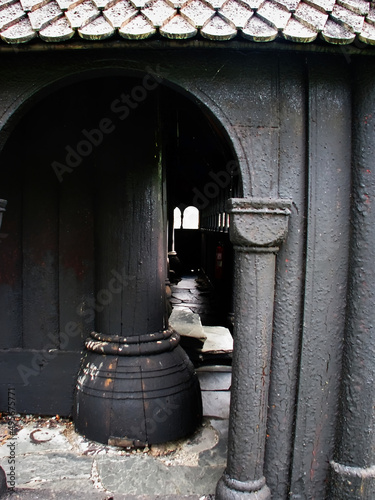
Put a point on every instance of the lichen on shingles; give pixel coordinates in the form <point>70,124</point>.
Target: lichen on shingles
<point>301,21</point>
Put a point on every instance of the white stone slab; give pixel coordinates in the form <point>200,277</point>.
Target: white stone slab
<point>187,323</point>
<point>219,340</point>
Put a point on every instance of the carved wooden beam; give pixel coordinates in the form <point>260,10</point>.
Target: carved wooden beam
<point>257,227</point>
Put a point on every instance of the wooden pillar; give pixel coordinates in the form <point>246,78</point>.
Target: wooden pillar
<point>257,227</point>
<point>131,250</point>
<point>353,467</point>
<point>136,385</point>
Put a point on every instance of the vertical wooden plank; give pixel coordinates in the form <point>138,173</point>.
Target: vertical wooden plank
<point>258,127</point>
<point>40,263</point>
<point>11,253</point>
<point>77,300</point>
<point>45,387</point>
<point>329,160</point>
<point>262,149</point>
<point>289,278</point>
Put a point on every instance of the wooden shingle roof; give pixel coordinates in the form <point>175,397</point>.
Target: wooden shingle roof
<point>303,21</point>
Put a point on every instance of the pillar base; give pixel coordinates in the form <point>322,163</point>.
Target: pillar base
<point>232,489</point>
<point>136,391</point>
<point>352,483</point>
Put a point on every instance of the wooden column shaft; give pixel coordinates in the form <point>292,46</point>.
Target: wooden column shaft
<point>257,227</point>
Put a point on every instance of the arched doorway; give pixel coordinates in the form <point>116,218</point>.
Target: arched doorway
<point>55,165</point>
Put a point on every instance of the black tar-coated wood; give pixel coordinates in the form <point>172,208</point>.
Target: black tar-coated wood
<point>262,103</point>
<point>292,112</point>
<point>356,423</point>
<point>328,204</point>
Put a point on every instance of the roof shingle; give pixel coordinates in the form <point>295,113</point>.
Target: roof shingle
<point>302,21</point>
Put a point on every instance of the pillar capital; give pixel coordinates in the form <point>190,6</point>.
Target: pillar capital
<point>258,222</point>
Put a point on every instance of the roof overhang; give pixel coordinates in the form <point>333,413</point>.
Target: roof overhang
<point>74,22</point>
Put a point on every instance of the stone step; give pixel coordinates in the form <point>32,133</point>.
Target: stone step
<point>218,340</point>
<point>215,382</point>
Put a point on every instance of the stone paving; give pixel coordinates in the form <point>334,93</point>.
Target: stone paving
<point>52,461</point>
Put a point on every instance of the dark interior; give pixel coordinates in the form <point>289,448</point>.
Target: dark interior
<point>54,167</point>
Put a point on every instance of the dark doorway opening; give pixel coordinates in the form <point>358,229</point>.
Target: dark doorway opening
<point>202,175</point>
